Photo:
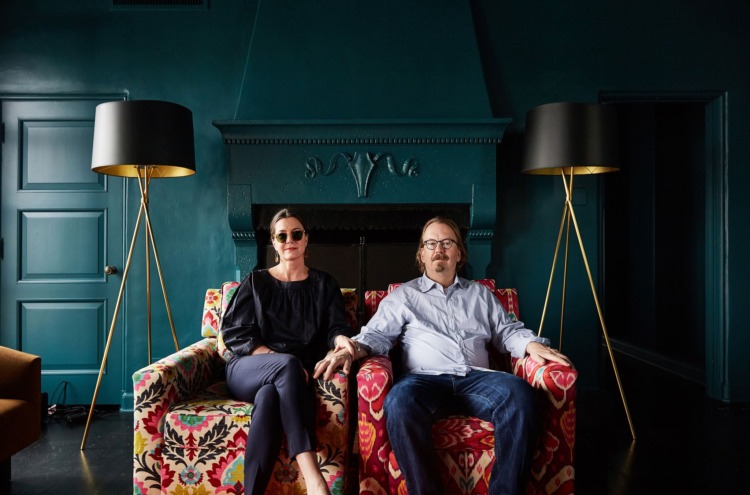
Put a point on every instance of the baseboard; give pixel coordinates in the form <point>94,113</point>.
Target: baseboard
<point>683,370</point>
<point>126,402</point>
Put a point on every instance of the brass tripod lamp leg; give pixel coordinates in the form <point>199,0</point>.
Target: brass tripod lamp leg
<point>150,235</point>
<point>112,327</point>
<point>601,317</point>
<point>568,216</point>
<point>568,195</point>
<point>143,183</point>
<point>552,271</point>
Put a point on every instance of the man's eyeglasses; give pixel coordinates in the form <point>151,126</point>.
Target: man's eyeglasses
<point>296,235</point>
<point>446,244</point>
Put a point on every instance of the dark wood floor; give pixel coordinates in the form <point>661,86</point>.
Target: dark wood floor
<point>686,445</point>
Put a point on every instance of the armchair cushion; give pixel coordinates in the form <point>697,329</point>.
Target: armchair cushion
<point>209,430</point>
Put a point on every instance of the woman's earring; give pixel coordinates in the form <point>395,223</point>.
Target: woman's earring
<point>276,257</point>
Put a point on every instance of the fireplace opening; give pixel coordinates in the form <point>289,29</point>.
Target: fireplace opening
<point>364,247</point>
<point>364,265</point>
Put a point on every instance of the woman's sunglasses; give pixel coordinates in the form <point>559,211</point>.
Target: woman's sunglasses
<point>297,235</point>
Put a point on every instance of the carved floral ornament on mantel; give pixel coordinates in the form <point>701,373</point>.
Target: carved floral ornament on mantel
<point>362,165</point>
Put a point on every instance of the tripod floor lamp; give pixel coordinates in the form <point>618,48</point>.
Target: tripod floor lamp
<point>569,139</point>
<point>142,139</point>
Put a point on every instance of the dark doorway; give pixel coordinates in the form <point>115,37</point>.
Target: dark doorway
<point>655,235</point>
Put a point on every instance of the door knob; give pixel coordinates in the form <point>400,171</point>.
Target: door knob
<point>110,270</point>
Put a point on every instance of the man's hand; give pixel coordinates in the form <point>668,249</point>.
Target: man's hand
<point>343,354</point>
<point>541,354</point>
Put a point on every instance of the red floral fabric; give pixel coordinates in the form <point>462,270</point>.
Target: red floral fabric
<point>466,444</point>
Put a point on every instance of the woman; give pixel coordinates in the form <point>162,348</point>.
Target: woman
<point>280,322</point>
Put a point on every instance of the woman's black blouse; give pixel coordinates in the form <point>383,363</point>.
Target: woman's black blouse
<point>301,318</point>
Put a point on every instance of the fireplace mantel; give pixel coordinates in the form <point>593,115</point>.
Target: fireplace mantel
<point>479,131</point>
<point>371,162</point>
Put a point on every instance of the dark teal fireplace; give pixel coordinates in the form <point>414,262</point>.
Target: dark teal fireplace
<point>370,126</point>
<point>360,179</point>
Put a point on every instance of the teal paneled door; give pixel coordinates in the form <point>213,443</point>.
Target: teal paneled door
<point>62,224</point>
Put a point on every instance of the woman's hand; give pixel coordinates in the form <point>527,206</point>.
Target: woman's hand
<point>342,356</point>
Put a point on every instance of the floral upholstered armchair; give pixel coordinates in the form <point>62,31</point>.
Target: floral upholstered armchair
<point>190,435</point>
<point>466,444</point>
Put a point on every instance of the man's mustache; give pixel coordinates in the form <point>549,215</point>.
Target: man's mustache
<point>439,256</point>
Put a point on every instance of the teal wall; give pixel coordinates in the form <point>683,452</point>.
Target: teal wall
<point>538,52</point>
<point>532,53</point>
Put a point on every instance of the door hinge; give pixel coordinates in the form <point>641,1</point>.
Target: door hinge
<point>2,249</point>
<point>2,133</point>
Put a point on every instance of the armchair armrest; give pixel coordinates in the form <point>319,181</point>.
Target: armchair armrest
<point>20,401</point>
<point>332,402</point>
<point>333,432</point>
<point>156,388</point>
<point>175,378</point>
<point>21,378</point>
<point>374,380</point>
<point>553,461</point>
<point>556,380</point>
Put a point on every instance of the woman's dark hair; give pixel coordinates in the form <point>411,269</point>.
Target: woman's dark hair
<point>284,213</point>
<point>457,234</point>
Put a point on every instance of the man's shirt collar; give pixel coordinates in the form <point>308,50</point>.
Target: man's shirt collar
<point>426,283</point>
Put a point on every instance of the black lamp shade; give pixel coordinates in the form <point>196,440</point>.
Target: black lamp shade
<point>132,135</point>
<point>578,138</point>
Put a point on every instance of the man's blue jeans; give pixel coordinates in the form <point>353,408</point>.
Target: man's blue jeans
<point>417,401</point>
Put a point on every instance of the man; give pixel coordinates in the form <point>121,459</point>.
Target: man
<point>443,324</point>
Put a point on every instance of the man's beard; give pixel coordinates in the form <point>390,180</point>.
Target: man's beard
<point>439,267</point>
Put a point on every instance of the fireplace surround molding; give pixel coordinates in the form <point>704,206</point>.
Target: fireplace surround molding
<point>378,165</point>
